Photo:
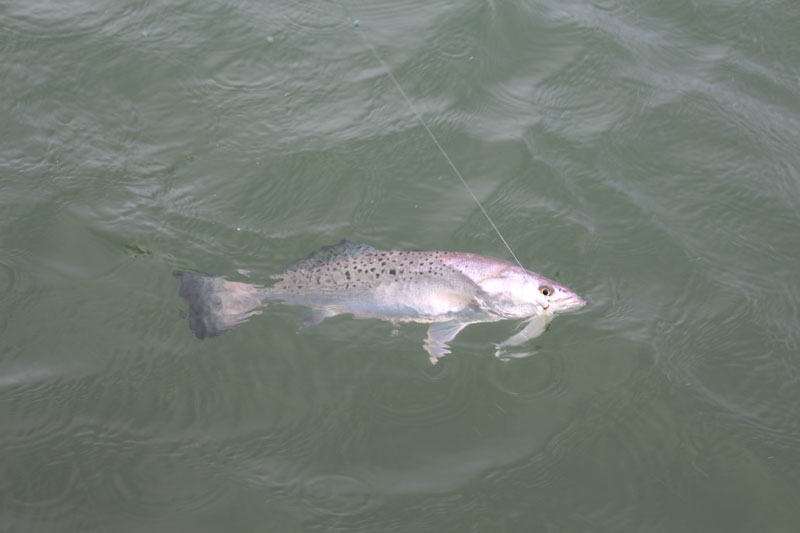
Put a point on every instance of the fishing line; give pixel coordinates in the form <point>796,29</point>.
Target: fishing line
<point>388,70</point>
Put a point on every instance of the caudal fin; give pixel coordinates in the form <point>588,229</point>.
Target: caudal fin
<point>217,305</point>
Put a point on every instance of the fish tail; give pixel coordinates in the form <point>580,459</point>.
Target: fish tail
<point>217,305</point>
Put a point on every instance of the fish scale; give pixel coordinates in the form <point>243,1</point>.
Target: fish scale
<point>366,271</point>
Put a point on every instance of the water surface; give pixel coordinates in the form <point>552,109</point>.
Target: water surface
<point>644,154</point>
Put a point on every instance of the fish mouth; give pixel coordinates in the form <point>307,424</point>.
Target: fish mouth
<point>573,302</point>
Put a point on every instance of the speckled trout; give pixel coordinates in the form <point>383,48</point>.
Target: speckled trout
<point>448,290</point>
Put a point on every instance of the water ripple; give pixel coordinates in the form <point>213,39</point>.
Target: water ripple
<point>16,286</point>
<point>529,377</point>
<point>158,481</point>
<point>458,46</point>
<point>373,197</point>
<point>7,280</point>
<point>318,16</point>
<point>246,69</point>
<point>336,495</point>
<point>34,478</point>
<point>421,394</point>
<point>79,20</point>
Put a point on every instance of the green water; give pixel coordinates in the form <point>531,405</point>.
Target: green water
<point>643,153</point>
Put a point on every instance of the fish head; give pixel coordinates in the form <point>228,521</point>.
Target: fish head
<point>513,291</point>
<point>550,296</point>
<point>518,292</point>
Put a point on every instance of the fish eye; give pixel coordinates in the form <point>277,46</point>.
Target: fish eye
<point>545,290</point>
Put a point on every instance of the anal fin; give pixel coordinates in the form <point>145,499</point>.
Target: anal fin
<point>439,334</point>
<point>314,317</point>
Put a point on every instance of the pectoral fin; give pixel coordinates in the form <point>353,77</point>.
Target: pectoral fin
<point>439,334</point>
<point>532,329</point>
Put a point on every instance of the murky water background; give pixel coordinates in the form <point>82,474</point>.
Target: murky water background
<point>644,153</point>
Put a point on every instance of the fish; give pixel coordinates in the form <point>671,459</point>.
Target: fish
<point>446,289</point>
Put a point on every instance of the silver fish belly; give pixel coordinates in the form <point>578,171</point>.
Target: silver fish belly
<point>449,290</point>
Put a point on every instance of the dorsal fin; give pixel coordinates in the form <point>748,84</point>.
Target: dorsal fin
<point>327,254</point>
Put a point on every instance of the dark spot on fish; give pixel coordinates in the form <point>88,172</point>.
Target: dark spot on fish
<point>392,272</point>
<point>347,274</point>
<point>372,269</point>
<point>377,276</point>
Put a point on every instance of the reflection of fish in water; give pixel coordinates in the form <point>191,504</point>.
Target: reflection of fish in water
<point>448,290</point>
